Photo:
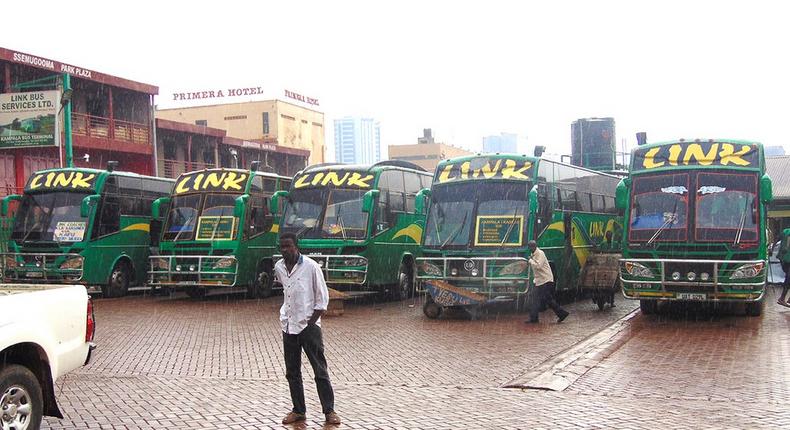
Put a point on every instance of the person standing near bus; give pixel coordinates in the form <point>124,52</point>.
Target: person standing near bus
<point>305,299</point>
<point>544,285</point>
<point>784,258</point>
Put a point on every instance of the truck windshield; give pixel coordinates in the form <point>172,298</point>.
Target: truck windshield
<point>659,208</point>
<point>53,216</point>
<point>326,213</point>
<point>210,213</point>
<point>726,208</point>
<point>478,214</point>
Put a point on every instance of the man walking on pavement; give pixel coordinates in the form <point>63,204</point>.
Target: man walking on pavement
<point>544,284</point>
<point>305,298</point>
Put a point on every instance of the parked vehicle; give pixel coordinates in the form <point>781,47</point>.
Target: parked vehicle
<point>83,226</point>
<point>696,227</point>
<point>482,211</point>
<point>359,222</point>
<point>219,234</point>
<point>46,330</point>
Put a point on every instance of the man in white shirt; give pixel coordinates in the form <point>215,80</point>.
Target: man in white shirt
<point>305,298</point>
<point>544,284</point>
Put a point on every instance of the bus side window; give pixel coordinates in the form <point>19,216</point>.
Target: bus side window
<point>109,216</point>
<point>260,218</point>
<point>383,210</point>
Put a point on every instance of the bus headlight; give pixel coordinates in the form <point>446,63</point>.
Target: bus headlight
<point>431,269</point>
<point>691,276</point>
<point>639,270</point>
<point>355,261</point>
<point>748,271</point>
<point>704,277</point>
<point>675,276</point>
<point>72,263</point>
<point>223,263</point>
<point>514,268</point>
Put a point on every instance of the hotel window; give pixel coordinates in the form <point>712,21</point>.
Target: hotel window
<point>266,123</point>
<point>230,118</point>
<point>202,122</point>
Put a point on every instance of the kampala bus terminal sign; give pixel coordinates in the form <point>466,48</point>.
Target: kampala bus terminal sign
<point>29,119</point>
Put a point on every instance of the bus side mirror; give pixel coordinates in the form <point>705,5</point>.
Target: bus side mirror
<point>156,205</point>
<point>766,189</point>
<point>368,199</point>
<point>275,204</point>
<point>533,200</point>
<point>239,204</point>
<point>420,199</point>
<point>621,194</point>
<point>87,203</point>
<point>7,201</point>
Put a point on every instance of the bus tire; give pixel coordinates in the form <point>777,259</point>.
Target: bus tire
<point>755,309</point>
<point>405,287</point>
<point>119,280</point>
<point>648,307</point>
<point>261,286</point>
<point>19,389</point>
<point>432,309</point>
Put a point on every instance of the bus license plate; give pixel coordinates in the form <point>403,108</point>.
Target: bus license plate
<point>692,296</point>
<point>34,274</point>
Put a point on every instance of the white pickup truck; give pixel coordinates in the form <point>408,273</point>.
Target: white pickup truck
<point>45,332</point>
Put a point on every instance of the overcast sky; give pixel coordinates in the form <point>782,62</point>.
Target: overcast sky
<point>671,68</point>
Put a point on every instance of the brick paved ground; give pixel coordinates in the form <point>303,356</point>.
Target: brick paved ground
<point>177,363</point>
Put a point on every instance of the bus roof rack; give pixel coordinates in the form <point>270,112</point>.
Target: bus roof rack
<point>399,163</point>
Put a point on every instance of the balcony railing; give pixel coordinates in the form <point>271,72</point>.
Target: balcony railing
<point>106,128</point>
<point>173,168</point>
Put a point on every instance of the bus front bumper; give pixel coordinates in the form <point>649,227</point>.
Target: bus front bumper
<point>184,271</point>
<point>340,269</point>
<point>41,267</point>
<point>495,278</point>
<point>677,279</point>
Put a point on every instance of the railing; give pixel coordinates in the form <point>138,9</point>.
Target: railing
<point>94,126</point>
<point>192,270</point>
<point>173,168</point>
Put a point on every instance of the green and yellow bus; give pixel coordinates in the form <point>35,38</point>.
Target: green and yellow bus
<point>219,234</point>
<point>360,223</point>
<point>482,211</point>
<point>696,225</point>
<point>83,226</point>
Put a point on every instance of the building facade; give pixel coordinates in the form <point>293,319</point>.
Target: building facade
<point>427,152</point>
<point>111,119</point>
<point>357,140</point>
<point>273,122</point>
<point>504,143</point>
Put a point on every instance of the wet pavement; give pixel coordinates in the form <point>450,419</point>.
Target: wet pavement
<point>217,364</point>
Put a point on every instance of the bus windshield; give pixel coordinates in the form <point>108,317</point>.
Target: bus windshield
<point>478,213</point>
<point>210,215</point>
<point>726,208</point>
<point>52,216</point>
<point>659,208</point>
<point>326,213</point>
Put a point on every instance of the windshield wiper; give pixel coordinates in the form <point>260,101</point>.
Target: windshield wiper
<point>741,224</point>
<point>340,224</point>
<point>672,218</point>
<point>175,239</point>
<point>455,233</point>
<point>509,229</point>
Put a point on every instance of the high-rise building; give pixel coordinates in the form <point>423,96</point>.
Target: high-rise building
<point>357,140</point>
<point>504,143</point>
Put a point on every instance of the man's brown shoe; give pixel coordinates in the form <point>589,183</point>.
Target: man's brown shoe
<point>332,418</point>
<point>293,417</point>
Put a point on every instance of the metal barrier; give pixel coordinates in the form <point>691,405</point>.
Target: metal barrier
<point>193,270</point>
<point>340,269</point>
<point>488,272</point>
<point>41,266</point>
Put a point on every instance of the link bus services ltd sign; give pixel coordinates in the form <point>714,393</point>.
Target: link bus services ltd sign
<point>29,119</point>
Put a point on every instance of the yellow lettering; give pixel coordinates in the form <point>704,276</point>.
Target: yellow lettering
<point>317,178</point>
<point>61,180</point>
<point>214,180</point>
<point>81,181</point>
<point>357,180</point>
<point>510,170</point>
<point>334,178</point>
<point>198,181</point>
<point>180,188</point>
<point>50,176</point>
<point>674,154</point>
<point>35,182</point>
<point>301,182</point>
<point>695,151</point>
<point>445,175</point>
<point>727,156</point>
<point>231,182</point>
<point>596,229</point>
<point>648,162</point>
<point>488,172</point>
<point>465,170</point>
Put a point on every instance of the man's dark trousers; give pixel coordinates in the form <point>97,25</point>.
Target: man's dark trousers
<point>311,340</point>
<point>543,294</point>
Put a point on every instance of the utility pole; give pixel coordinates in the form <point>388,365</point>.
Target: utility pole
<point>67,121</point>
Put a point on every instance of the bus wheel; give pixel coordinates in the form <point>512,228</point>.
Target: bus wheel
<point>755,309</point>
<point>21,399</point>
<point>405,287</point>
<point>431,309</point>
<point>119,280</point>
<point>648,306</point>
<point>261,287</point>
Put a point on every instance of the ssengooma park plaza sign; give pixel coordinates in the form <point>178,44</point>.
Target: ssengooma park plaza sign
<point>29,119</point>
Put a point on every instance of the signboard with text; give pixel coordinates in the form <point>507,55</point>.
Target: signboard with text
<point>29,119</point>
<point>495,230</point>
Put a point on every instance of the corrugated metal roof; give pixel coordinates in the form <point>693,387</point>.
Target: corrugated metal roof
<point>778,168</point>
